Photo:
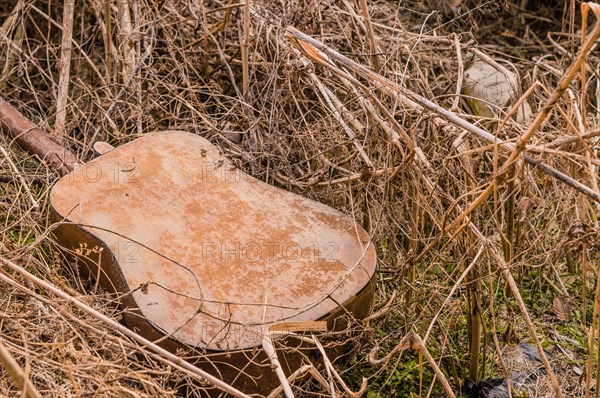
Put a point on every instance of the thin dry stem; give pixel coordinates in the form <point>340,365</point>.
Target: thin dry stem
<point>17,374</point>
<point>65,70</point>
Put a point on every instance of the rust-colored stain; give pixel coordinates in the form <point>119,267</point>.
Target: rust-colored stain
<point>212,255</point>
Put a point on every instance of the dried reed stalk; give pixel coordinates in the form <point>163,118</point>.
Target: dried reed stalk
<point>7,26</point>
<point>364,9</point>
<point>244,47</point>
<point>65,69</point>
<point>17,374</point>
<point>127,50</point>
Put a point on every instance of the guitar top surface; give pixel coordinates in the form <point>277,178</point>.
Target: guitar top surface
<point>212,255</point>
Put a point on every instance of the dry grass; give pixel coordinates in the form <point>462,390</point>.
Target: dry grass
<point>228,73</point>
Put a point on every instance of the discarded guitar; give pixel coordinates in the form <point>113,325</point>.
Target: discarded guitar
<point>204,256</point>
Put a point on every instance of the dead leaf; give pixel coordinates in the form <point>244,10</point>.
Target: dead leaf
<point>562,308</point>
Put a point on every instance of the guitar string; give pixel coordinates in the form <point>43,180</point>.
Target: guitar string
<point>301,309</point>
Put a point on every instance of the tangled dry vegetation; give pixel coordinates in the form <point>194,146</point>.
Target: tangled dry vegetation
<point>520,267</point>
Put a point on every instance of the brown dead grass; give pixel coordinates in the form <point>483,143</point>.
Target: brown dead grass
<point>180,65</point>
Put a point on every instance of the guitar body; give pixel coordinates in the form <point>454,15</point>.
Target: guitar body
<point>206,258</point>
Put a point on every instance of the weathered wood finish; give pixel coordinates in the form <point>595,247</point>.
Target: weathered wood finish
<point>210,256</point>
<point>203,257</point>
